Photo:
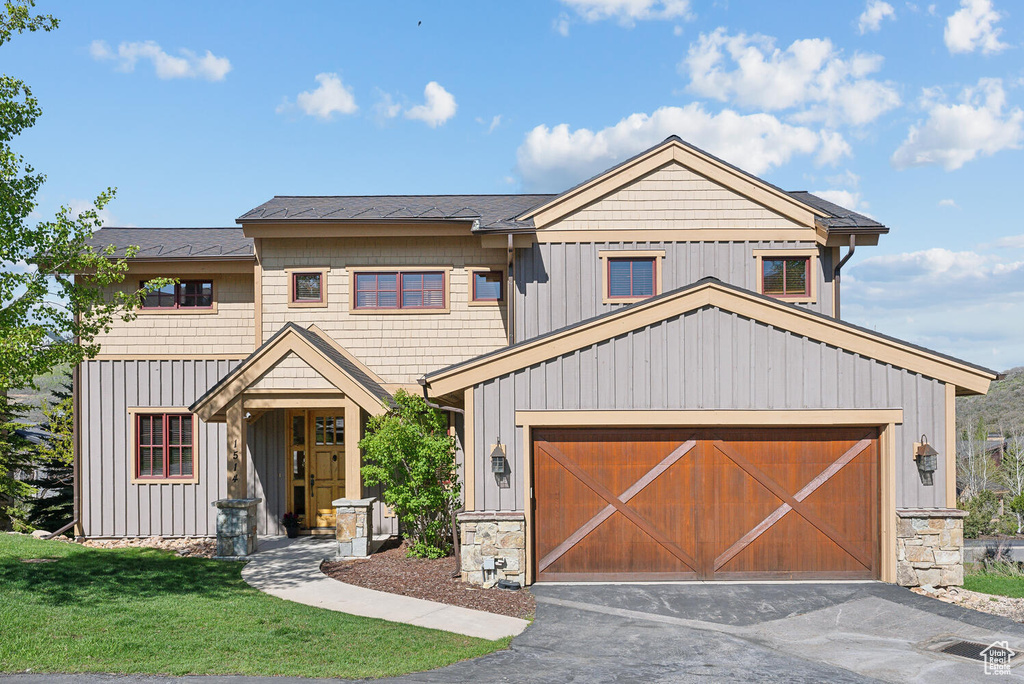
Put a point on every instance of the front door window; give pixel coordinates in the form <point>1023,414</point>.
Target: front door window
<point>327,467</point>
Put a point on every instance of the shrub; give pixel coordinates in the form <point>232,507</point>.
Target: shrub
<point>981,509</point>
<point>409,452</point>
<point>1007,524</point>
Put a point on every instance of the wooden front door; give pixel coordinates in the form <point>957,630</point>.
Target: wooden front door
<point>706,504</point>
<point>326,465</point>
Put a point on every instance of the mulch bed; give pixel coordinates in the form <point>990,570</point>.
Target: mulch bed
<point>390,570</point>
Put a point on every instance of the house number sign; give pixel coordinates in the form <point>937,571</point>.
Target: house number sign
<point>234,459</point>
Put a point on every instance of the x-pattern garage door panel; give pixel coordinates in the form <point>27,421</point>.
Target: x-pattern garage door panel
<point>706,504</point>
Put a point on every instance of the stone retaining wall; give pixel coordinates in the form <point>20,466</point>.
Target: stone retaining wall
<point>493,547</point>
<point>930,547</point>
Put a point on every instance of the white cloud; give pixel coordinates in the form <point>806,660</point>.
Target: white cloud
<point>561,24</point>
<point>186,65</point>
<point>954,134</point>
<point>494,123</point>
<point>845,198</point>
<point>555,158</point>
<point>628,12</point>
<point>810,76</point>
<point>329,98</point>
<point>951,203</point>
<point>439,106</point>
<point>874,13</point>
<point>973,27</point>
<point>386,107</point>
<point>80,206</point>
<point>985,289</point>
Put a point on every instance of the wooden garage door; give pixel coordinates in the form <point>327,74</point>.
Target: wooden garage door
<point>627,504</point>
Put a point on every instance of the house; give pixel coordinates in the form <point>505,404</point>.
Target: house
<point>647,375</point>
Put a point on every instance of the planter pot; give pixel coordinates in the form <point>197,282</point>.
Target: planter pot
<point>293,532</point>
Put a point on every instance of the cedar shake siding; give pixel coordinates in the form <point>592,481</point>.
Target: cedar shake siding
<point>708,359</point>
<point>559,284</point>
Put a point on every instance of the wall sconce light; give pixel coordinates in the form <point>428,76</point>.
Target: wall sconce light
<point>498,460</point>
<point>926,456</point>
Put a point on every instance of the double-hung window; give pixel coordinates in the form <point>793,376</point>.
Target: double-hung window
<point>400,290</point>
<point>164,447</point>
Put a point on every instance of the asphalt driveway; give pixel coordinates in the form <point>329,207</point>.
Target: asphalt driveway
<point>717,632</point>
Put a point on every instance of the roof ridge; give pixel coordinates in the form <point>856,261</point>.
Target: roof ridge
<point>449,194</point>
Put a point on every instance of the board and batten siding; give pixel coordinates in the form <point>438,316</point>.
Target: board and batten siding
<point>111,506</point>
<point>559,284</point>
<point>708,359</point>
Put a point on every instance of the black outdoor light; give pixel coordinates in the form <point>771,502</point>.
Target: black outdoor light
<point>498,459</point>
<point>926,456</point>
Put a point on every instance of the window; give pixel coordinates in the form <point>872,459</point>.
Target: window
<point>487,285</point>
<point>631,277</point>
<point>164,448</point>
<point>400,290</point>
<point>307,287</point>
<point>188,294</point>
<point>785,277</point>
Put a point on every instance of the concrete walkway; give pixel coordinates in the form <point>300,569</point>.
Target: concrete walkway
<point>290,569</point>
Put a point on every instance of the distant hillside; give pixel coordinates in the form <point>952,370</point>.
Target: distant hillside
<point>1001,409</point>
<point>33,397</point>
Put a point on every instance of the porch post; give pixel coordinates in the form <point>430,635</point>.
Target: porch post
<point>236,515</point>
<point>353,478</point>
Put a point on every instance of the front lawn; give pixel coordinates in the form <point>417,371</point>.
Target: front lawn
<point>995,584</point>
<point>150,611</point>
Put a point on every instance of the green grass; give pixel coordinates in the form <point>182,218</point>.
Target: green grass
<point>150,611</point>
<point>995,584</point>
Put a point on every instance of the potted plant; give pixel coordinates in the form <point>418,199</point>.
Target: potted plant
<point>291,524</point>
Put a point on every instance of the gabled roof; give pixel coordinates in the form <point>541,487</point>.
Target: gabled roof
<point>310,345</point>
<point>801,207</point>
<point>967,377</point>
<point>490,211</point>
<point>176,243</point>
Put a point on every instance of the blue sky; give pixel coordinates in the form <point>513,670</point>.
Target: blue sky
<point>907,111</point>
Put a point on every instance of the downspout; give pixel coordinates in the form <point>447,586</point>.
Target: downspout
<point>510,292</point>
<point>836,275</point>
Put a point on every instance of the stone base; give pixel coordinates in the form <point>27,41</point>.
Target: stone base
<point>493,547</point>
<point>930,547</point>
<point>354,527</point>
<point>236,527</point>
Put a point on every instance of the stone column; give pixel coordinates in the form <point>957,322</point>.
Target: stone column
<point>493,547</point>
<point>930,547</point>
<point>236,527</point>
<point>354,527</point>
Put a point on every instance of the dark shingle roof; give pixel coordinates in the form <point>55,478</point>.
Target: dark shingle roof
<point>838,217</point>
<point>492,211</point>
<point>176,243</point>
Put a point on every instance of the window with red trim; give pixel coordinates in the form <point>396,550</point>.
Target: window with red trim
<point>488,286</point>
<point>785,277</point>
<point>164,446</point>
<point>400,290</point>
<point>187,294</point>
<point>631,277</point>
<point>307,287</point>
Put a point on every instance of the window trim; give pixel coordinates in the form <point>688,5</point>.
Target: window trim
<point>133,447</point>
<point>605,255</point>
<point>291,272</point>
<point>810,253</point>
<point>445,272</point>
<point>177,309</point>
<point>472,271</point>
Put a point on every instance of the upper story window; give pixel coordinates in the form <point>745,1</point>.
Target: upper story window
<point>187,294</point>
<point>631,277</point>
<point>308,287</point>
<point>786,276</point>
<point>487,285</point>
<point>400,290</point>
<point>164,447</point>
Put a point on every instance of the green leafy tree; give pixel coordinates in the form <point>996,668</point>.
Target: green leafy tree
<point>54,506</point>
<point>55,289</point>
<point>981,512</point>
<point>409,452</point>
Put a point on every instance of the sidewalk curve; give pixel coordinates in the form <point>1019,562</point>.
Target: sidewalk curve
<point>290,569</point>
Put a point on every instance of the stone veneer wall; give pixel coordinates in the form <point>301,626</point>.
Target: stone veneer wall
<point>496,535</point>
<point>930,547</point>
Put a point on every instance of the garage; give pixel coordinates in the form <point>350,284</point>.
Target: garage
<point>706,504</point>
